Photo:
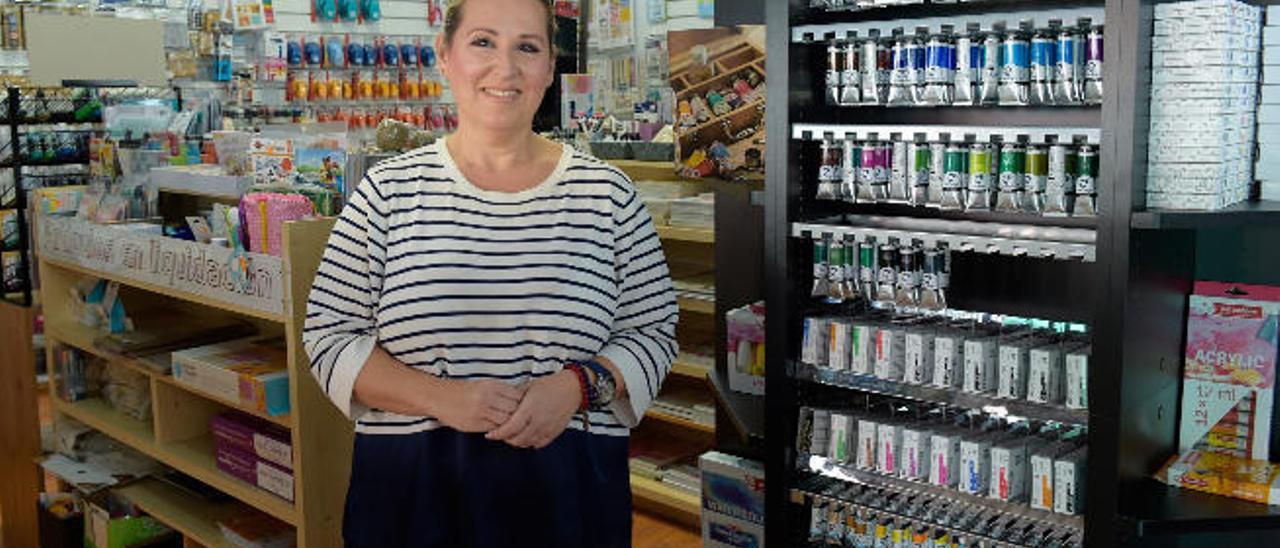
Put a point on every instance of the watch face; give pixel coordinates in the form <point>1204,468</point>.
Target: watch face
<point>604,389</point>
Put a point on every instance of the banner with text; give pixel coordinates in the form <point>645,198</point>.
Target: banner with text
<point>203,270</point>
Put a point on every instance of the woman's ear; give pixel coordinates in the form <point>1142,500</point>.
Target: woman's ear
<point>441,55</point>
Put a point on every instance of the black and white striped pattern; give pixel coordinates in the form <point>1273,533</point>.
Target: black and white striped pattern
<point>466,283</point>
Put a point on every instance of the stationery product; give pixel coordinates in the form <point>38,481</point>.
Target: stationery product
<point>733,501</point>
<point>1230,366</point>
<point>264,440</point>
<point>255,471</point>
<point>1068,481</point>
<point>1239,477</point>
<point>250,372</point>
<point>263,216</point>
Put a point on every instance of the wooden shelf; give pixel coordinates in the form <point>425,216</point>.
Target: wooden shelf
<point>685,234</point>
<point>683,505</point>
<point>192,457</point>
<point>81,337</point>
<point>681,422</point>
<point>96,414</point>
<point>690,369</point>
<point>168,292</point>
<point>639,170</point>
<point>195,518</point>
<point>700,306</point>
<point>715,120</point>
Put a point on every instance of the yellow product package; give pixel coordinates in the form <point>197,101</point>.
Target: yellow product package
<point>1220,474</point>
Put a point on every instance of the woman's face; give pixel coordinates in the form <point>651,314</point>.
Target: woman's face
<point>499,64</point>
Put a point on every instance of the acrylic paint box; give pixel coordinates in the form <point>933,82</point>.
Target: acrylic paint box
<point>732,501</point>
<point>1242,478</point>
<point>1229,375</point>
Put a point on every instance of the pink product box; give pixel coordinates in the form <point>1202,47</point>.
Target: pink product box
<point>264,440</point>
<point>1232,342</point>
<point>256,472</point>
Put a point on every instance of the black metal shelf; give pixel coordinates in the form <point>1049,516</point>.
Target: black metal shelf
<point>822,466</point>
<point>812,16</point>
<point>80,160</point>
<point>1242,214</point>
<point>746,411</point>
<point>995,238</point>
<point>1155,509</point>
<point>928,394</point>
<point>907,210</point>
<point>1064,116</point>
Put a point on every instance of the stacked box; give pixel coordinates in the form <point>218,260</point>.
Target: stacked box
<point>1205,68</point>
<point>1268,167</point>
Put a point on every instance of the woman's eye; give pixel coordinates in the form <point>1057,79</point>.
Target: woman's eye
<point>481,42</point>
<point>530,48</point>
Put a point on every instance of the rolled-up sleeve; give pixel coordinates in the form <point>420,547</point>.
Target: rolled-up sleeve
<point>643,341</point>
<point>340,331</point>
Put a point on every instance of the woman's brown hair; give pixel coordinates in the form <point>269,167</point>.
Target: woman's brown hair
<point>453,18</point>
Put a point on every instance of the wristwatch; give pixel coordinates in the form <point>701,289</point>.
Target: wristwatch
<point>602,384</point>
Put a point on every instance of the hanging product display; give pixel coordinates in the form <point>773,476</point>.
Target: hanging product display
<point>946,478</point>
<point>1053,179</point>
<point>1047,67</point>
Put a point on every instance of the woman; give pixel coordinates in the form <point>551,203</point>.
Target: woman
<point>494,312</point>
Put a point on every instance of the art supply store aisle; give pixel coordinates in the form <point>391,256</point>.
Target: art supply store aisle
<point>1012,300</point>
<point>165,223</point>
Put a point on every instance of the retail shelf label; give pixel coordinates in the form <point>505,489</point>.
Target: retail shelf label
<point>183,266</point>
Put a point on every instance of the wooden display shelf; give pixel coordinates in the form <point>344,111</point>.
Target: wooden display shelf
<point>166,291</point>
<point>81,337</point>
<point>192,457</point>
<point>690,369</point>
<point>681,422</point>
<point>700,306</point>
<point>196,519</point>
<point>684,506</point>
<point>686,234</point>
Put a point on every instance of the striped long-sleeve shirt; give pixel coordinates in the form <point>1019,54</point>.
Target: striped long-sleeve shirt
<point>464,283</point>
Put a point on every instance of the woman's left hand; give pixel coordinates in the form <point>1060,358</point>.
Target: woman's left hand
<point>548,405</point>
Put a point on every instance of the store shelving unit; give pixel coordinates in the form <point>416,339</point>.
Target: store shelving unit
<point>23,109</point>
<point>1126,272</point>
<point>178,433</point>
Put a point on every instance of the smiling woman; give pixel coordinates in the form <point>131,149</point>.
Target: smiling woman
<point>495,313</point>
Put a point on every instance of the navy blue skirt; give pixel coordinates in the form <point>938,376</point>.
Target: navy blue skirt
<point>443,488</point>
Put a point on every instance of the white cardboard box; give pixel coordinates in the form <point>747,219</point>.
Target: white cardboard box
<point>732,501</point>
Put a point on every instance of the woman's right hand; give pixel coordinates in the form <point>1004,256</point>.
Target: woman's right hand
<point>478,406</point>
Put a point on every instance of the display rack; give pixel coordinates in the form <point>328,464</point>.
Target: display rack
<point>1131,291</point>
<point>21,110</point>
<point>1025,134</point>
<point>178,434</point>
<point>979,22</point>
<point>995,238</point>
